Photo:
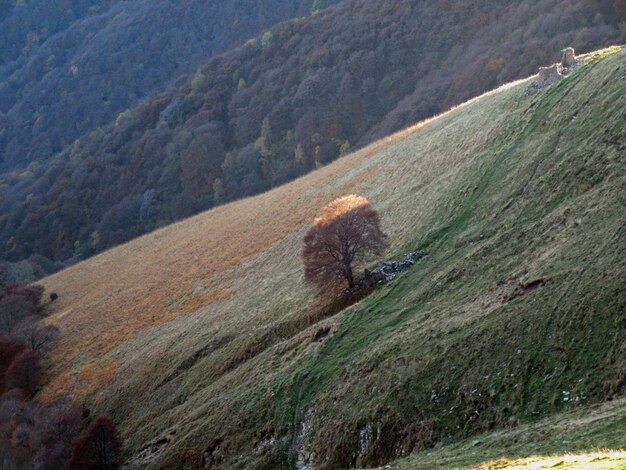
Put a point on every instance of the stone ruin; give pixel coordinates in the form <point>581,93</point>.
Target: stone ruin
<point>556,72</point>
<point>549,75</point>
<point>390,269</point>
<point>568,59</point>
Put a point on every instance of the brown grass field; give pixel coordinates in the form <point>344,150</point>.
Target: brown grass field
<point>199,264</point>
<point>187,266</point>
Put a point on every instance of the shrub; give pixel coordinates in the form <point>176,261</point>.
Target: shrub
<point>24,373</point>
<point>98,447</point>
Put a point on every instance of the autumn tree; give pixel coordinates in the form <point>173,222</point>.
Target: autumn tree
<point>57,424</point>
<point>59,421</point>
<point>346,234</point>
<point>98,447</point>
<point>35,334</point>
<point>24,373</point>
<point>9,350</point>
<point>200,163</point>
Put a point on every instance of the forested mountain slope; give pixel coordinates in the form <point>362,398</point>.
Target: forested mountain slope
<point>291,100</point>
<point>204,344</point>
<point>68,67</point>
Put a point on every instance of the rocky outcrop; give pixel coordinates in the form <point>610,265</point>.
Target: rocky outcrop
<point>390,269</point>
<point>303,456</point>
<point>549,75</point>
<point>150,452</point>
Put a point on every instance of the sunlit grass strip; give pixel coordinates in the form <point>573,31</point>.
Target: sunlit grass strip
<point>600,54</point>
<point>607,459</point>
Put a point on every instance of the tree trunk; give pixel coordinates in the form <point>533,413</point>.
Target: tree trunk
<point>349,276</point>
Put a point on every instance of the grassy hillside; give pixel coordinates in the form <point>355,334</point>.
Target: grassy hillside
<point>204,343</point>
<point>579,439</point>
<point>289,100</point>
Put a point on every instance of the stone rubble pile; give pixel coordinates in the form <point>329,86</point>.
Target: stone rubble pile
<point>390,269</point>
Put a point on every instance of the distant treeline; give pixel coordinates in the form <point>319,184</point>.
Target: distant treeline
<point>68,67</point>
<point>290,100</point>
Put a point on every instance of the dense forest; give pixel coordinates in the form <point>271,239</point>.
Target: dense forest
<point>290,100</point>
<point>67,67</point>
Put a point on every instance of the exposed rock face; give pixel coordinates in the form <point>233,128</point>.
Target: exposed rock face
<point>390,269</point>
<point>304,457</point>
<point>366,436</point>
<point>149,452</point>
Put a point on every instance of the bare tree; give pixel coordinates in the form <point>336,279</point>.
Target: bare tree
<point>58,421</point>
<point>346,234</point>
<point>34,333</point>
<point>18,438</point>
<point>57,424</point>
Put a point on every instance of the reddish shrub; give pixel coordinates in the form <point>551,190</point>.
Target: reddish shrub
<point>97,448</point>
<point>24,373</point>
<point>9,349</point>
<point>32,294</point>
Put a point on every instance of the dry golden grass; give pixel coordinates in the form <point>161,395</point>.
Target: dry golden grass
<point>223,264</point>
<point>587,461</point>
<point>114,296</point>
<point>93,375</point>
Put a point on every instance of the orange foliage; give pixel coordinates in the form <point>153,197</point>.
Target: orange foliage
<point>347,232</point>
<point>339,207</point>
